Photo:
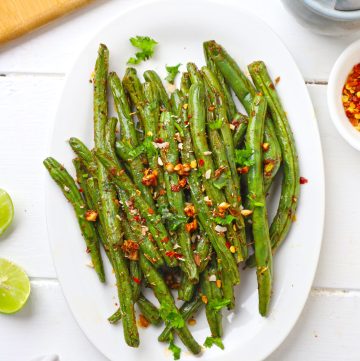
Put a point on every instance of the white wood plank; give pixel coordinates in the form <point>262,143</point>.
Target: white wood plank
<point>327,330</point>
<point>53,48</point>
<point>339,261</point>
<point>27,109</point>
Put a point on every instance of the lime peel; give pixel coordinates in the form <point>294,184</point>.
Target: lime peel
<point>14,287</point>
<point>6,211</point>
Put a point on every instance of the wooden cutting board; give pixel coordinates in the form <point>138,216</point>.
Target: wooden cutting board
<point>18,17</point>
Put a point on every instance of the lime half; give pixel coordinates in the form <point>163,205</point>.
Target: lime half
<point>6,211</point>
<point>14,287</point>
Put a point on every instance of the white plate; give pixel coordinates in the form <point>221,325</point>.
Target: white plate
<point>180,28</point>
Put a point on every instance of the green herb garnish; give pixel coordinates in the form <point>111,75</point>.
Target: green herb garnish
<point>147,147</point>
<point>210,341</point>
<point>146,45</point>
<point>224,221</point>
<point>176,351</point>
<point>216,124</point>
<point>243,157</point>
<point>172,71</point>
<point>217,305</point>
<point>171,318</point>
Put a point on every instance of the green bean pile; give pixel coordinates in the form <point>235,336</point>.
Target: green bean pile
<point>177,198</point>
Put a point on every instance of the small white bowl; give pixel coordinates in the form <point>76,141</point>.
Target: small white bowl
<point>341,69</point>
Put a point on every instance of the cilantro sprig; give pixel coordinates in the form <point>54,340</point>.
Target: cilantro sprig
<point>172,71</point>
<point>243,157</point>
<point>146,46</point>
<point>210,341</point>
<point>171,317</point>
<point>176,351</point>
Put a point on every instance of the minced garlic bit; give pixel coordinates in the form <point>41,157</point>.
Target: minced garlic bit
<point>208,174</point>
<point>232,126</point>
<point>220,229</point>
<point>208,152</point>
<point>189,210</point>
<point>66,189</point>
<point>232,249</point>
<point>149,133</point>
<point>180,146</point>
<point>193,164</point>
<point>163,145</point>
<point>246,212</point>
<point>208,201</point>
<point>212,278</point>
<point>90,265</point>
<point>185,106</point>
<point>160,162</point>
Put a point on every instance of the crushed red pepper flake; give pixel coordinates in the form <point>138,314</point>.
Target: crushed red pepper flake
<point>303,180</point>
<point>173,254</point>
<point>192,226</point>
<point>165,240</point>
<point>201,162</point>
<point>136,280</point>
<point>351,97</point>
<point>175,188</point>
<point>151,211</point>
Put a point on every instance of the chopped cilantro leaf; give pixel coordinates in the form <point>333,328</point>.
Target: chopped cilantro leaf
<point>216,124</point>
<point>210,341</point>
<point>172,71</point>
<point>176,351</point>
<point>224,221</point>
<point>243,157</point>
<point>217,305</point>
<point>146,45</point>
<point>146,147</point>
<point>171,317</point>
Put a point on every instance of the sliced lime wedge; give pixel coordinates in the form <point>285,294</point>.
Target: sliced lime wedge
<point>6,211</point>
<point>14,287</point>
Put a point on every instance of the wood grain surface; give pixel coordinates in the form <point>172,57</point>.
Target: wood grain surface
<point>18,17</point>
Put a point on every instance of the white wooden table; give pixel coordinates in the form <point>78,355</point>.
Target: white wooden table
<point>32,72</point>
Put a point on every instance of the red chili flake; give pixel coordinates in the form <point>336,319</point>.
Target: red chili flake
<point>189,116</point>
<point>235,123</point>
<point>228,244</point>
<point>137,218</point>
<point>81,190</point>
<point>88,250</point>
<point>151,211</point>
<point>186,122</point>
<point>303,180</point>
<point>113,171</point>
<point>165,240</point>
<point>201,162</point>
<point>159,140</point>
<point>175,188</point>
<point>182,182</point>
<point>173,254</point>
<point>136,280</point>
